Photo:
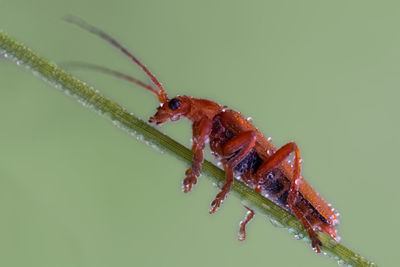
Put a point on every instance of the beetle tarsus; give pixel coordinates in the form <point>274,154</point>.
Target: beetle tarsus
<point>216,203</point>
<point>189,181</point>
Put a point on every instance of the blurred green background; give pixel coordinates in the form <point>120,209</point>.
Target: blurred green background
<point>77,191</point>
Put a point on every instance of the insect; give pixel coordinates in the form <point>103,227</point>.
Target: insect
<point>241,148</point>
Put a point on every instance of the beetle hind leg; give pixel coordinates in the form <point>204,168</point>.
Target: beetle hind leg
<point>315,242</point>
<point>292,200</point>
<point>273,162</point>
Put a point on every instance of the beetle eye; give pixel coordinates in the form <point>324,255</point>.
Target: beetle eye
<point>174,104</point>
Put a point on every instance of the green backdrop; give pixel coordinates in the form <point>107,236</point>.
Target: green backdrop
<point>77,191</point>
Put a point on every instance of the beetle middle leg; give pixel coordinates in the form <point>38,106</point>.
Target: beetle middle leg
<point>273,162</point>
<point>249,216</point>
<point>242,144</point>
<point>242,229</point>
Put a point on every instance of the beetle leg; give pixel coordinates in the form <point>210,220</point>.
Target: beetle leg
<point>242,230</point>
<point>280,156</point>
<point>201,131</point>
<point>273,162</point>
<point>243,143</point>
<point>315,242</point>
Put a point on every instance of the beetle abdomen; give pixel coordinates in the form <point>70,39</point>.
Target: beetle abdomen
<point>276,186</point>
<point>250,163</point>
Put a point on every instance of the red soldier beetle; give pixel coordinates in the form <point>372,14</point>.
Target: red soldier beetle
<point>241,148</point>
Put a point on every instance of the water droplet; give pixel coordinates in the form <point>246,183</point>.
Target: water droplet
<point>249,119</point>
<point>276,223</point>
<point>266,206</point>
<point>333,242</point>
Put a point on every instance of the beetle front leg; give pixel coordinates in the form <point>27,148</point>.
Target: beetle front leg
<point>201,131</point>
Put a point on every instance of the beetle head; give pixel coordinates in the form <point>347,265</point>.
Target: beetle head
<point>171,109</point>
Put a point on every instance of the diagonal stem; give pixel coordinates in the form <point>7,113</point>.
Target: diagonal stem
<point>89,97</point>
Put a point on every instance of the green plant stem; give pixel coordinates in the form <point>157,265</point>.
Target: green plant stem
<point>85,94</point>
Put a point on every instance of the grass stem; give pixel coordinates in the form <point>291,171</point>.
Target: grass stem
<point>23,56</point>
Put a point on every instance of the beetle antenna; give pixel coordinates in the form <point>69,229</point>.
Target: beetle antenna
<point>124,76</point>
<point>162,95</point>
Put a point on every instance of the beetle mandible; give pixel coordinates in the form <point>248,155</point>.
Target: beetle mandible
<point>241,148</point>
